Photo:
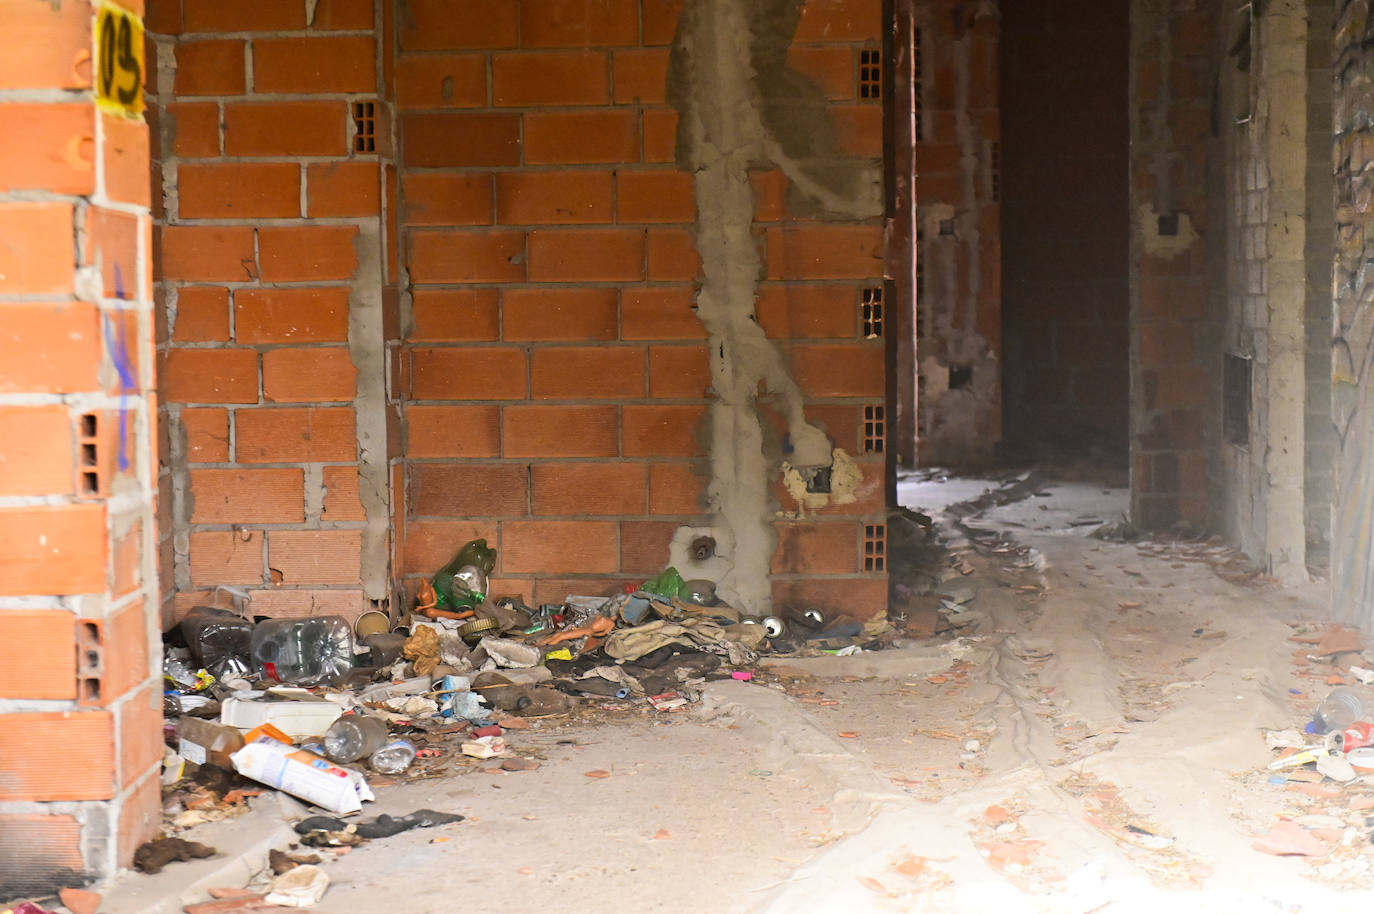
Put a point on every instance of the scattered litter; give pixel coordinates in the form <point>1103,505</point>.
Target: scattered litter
<point>299,888</point>
<point>154,855</point>
<point>1288,839</point>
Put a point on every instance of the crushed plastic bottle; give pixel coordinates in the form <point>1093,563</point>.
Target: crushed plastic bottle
<point>1341,708</point>
<point>394,757</point>
<point>220,640</point>
<point>353,736</point>
<point>306,652</point>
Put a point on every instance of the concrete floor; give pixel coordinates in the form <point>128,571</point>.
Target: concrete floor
<point>1092,741</point>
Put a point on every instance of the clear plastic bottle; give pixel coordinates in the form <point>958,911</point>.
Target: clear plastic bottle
<point>394,757</point>
<point>1342,707</point>
<point>303,652</point>
<point>205,742</point>
<point>353,736</point>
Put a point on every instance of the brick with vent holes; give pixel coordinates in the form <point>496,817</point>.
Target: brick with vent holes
<point>551,78</point>
<point>822,547</point>
<point>208,253</point>
<point>468,373</point>
<point>839,369</point>
<point>549,546</point>
<point>32,777</point>
<point>291,315</point>
<point>292,128</point>
<point>679,372</point>
<point>455,314</point>
<point>201,315</point>
<point>207,434</point>
<point>266,496</point>
<point>469,489</point>
<point>44,639</point>
<point>36,248</point>
<point>305,375</point>
<point>825,252</point>
<point>344,63</point>
<point>292,435</point>
<point>460,140</point>
<point>586,255</point>
<point>558,314</point>
<point>49,348</point>
<point>553,197</point>
<point>445,256</point>
<point>58,152</point>
<point>563,488</point>
<point>214,67</point>
<point>644,546</point>
<point>342,189</point>
<point>641,76</point>
<point>560,431</point>
<point>330,557</point>
<point>662,430</point>
<point>580,137</point>
<point>241,16</point>
<point>441,198</point>
<point>307,252</point>
<point>238,190</point>
<point>587,373</point>
<point>442,81</point>
<point>441,25</point>
<point>654,196</point>
<point>453,431</point>
<point>210,376</point>
<point>35,451</point>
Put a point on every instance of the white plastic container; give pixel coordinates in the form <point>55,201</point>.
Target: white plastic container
<point>297,719</point>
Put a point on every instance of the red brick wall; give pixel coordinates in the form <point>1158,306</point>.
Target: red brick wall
<point>555,374</point>
<point>1173,369</point>
<point>958,200</point>
<point>270,240</point>
<point>77,514</point>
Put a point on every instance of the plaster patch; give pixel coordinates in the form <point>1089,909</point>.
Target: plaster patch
<point>741,108</point>
<point>844,483</point>
<point>1165,247</point>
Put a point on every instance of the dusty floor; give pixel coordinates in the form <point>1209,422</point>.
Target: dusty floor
<point>1091,740</point>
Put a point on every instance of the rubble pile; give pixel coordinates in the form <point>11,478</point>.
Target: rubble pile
<point>328,711</point>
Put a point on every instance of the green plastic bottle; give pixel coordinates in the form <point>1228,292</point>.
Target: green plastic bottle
<point>451,592</point>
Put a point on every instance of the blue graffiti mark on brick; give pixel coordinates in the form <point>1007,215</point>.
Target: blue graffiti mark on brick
<point>117,345</point>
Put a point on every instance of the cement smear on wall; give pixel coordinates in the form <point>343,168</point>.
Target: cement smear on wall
<point>741,108</point>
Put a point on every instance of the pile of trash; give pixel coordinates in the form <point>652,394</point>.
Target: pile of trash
<point>324,710</point>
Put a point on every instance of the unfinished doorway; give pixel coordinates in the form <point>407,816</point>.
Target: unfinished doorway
<point>1065,230</point>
